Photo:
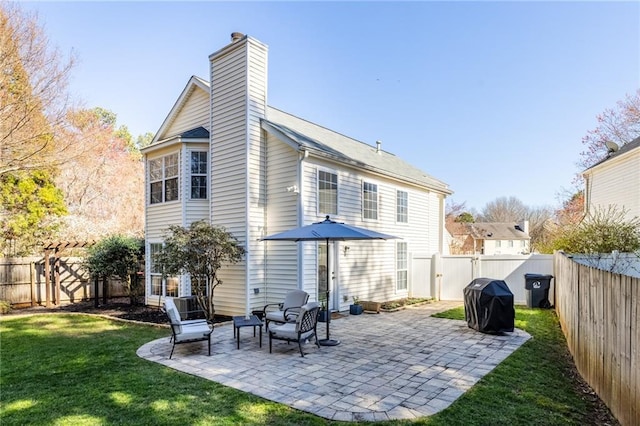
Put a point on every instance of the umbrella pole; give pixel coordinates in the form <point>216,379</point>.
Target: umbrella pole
<point>328,341</point>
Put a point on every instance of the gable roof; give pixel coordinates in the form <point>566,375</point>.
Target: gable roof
<point>303,134</point>
<point>634,144</point>
<point>335,146</point>
<point>489,230</point>
<point>193,83</point>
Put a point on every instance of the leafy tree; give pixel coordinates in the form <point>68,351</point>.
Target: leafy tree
<point>29,204</point>
<point>620,124</point>
<point>33,94</point>
<point>199,251</point>
<point>118,257</point>
<point>465,217</point>
<point>144,140</point>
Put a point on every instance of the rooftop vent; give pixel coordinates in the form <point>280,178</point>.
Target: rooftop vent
<point>378,147</point>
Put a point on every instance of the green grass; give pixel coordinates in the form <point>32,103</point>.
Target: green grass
<point>83,370</point>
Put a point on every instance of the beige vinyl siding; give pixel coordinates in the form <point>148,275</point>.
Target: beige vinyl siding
<point>367,270</point>
<point>238,97</point>
<point>257,88</point>
<point>159,216</point>
<point>194,113</point>
<point>617,182</point>
<point>281,263</point>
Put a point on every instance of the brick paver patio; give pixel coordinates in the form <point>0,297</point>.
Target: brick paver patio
<point>398,365</point>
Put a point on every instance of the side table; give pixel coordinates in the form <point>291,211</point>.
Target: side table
<point>241,321</point>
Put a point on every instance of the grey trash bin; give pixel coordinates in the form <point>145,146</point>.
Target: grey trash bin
<point>537,289</point>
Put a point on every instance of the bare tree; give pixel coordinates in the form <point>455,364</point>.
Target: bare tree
<point>103,189</point>
<point>504,209</point>
<point>620,124</point>
<point>33,94</point>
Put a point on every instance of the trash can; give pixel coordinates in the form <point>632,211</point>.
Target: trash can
<point>537,289</point>
<point>488,306</point>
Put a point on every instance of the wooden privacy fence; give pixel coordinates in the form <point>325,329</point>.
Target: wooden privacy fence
<point>23,281</point>
<point>599,312</point>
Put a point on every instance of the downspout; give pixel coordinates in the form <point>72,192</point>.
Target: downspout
<point>303,154</point>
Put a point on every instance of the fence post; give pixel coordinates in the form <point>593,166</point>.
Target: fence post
<point>32,273</point>
<point>97,291</point>
<point>104,290</point>
<point>57,275</point>
<point>47,277</point>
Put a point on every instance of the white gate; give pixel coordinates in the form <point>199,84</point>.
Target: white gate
<point>459,271</point>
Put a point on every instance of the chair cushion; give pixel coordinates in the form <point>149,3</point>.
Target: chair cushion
<point>286,330</point>
<point>277,316</point>
<point>174,317</point>
<point>193,333</point>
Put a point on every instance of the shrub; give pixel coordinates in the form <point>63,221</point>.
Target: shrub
<point>119,257</point>
<point>5,307</point>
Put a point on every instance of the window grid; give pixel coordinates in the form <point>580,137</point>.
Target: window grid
<point>370,201</point>
<point>161,286</point>
<point>327,192</point>
<point>402,207</point>
<point>163,179</point>
<point>401,266</point>
<point>199,175</point>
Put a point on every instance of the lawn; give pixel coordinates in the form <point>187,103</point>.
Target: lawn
<point>83,370</point>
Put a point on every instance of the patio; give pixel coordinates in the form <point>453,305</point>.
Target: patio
<point>399,365</point>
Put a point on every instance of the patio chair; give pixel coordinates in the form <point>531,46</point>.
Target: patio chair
<point>286,311</point>
<point>186,331</point>
<point>300,331</point>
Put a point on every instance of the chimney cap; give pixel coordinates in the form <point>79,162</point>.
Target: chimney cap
<point>236,36</point>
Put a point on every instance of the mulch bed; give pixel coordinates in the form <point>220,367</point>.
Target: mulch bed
<point>117,308</point>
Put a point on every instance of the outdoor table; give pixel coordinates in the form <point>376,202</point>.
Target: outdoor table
<point>241,321</point>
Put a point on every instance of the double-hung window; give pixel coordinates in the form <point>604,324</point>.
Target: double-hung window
<point>402,207</point>
<point>163,178</point>
<point>402,266</point>
<point>199,175</point>
<point>327,192</point>
<point>161,286</point>
<point>370,201</point>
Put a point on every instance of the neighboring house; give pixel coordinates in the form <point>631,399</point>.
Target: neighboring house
<point>489,238</point>
<point>615,181</point>
<point>223,155</point>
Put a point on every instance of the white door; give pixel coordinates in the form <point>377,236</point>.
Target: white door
<point>331,273</point>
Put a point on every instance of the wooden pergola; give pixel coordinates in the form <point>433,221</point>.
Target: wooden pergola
<point>56,248</point>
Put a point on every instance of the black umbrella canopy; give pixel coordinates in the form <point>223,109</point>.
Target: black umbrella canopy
<point>328,230</point>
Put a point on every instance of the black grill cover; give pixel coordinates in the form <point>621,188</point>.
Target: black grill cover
<point>488,306</point>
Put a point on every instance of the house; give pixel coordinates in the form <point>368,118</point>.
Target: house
<point>489,238</point>
<point>224,155</point>
<point>615,181</point>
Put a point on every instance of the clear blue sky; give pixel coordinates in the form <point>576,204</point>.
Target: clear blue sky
<point>491,97</point>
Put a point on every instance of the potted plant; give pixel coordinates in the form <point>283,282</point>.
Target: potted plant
<point>355,308</point>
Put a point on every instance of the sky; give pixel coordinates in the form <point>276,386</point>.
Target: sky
<point>493,98</point>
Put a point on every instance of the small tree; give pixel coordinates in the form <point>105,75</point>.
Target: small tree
<point>199,251</point>
<point>118,257</point>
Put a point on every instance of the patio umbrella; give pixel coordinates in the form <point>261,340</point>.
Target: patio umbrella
<point>328,230</point>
